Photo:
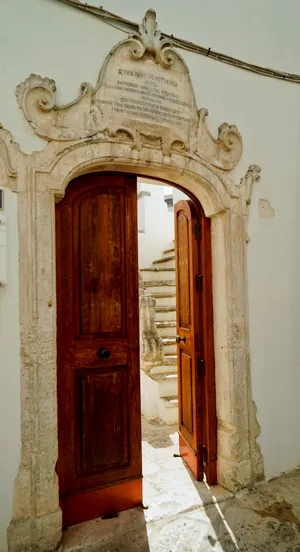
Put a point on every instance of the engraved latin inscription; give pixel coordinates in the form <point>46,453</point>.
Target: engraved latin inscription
<point>146,95</point>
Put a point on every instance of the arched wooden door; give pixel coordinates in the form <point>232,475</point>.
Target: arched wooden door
<point>99,418</point>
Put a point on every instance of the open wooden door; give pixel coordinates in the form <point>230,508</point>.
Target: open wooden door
<point>195,356</point>
<point>99,418</point>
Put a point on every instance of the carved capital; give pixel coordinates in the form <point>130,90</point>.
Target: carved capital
<point>252,175</point>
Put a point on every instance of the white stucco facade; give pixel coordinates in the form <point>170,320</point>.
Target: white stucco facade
<point>54,40</point>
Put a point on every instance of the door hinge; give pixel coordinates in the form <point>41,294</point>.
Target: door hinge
<point>197,230</point>
<point>201,367</point>
<point>199,282</point>
<point>204,455</point>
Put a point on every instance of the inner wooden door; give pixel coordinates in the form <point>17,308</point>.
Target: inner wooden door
<point>99,417</point>
<point>195,352</point>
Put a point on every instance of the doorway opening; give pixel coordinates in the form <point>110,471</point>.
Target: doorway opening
<point>102,294</point>
<point>171,347</point>
<point>158,347</point>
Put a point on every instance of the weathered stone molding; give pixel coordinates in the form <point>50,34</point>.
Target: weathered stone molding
<point>82,140</point>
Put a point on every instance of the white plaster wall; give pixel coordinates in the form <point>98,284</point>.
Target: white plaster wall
<point>178,195</point>
<point>9,368</point>
<point>149,397</point>
<point>45,37</point>
<point>158,224</point>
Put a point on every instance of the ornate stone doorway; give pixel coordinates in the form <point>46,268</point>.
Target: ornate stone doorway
<point>93,135</point>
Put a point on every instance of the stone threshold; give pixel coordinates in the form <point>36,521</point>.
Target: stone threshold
<point>96,535</point>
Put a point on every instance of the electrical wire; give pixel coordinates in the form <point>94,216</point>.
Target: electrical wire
<point>125,25</point>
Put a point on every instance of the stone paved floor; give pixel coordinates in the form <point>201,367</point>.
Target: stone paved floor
<point>186,516</point>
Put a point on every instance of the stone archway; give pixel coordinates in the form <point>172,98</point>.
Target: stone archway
<point>194,161</point>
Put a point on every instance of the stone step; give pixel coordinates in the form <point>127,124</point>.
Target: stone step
<point>163,286</point>
<point>167,364</point>
<point>159,395</point>
<point>168,410</point>
<point>165,328</point>
<point>164,259</point>
<point>165,299</point>
<point>168,252</point>
<point>163,369</point>
<point>165,314</point>
<point>169,339</point>
<point>171,401</point>
<point>170,345</point>
<point>157,294</point>
<point>154,274</point>
<point>170,360</point>
<point>167,384</point>
<point>165,262</point>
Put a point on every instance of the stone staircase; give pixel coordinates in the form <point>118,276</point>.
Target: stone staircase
<point>160,383</point>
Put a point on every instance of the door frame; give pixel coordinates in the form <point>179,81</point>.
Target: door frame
<point>40,182</point>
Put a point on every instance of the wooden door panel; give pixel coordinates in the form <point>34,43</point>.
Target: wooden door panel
<point>103,423</point>
<point>99,420</point>
<point>186,383</point>
<point>183,271</point>
<point>190,405</point>
<point>85,353</point>
<point>99,218</point>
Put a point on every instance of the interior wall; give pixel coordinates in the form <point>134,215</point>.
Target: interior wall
<point>158,224</point>
<point>266,112</point>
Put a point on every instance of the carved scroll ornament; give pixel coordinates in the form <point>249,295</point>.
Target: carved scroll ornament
<point>144,96</point>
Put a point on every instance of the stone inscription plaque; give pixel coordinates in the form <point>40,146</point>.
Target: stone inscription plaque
<point>147,96</point>
<point>144,91</point>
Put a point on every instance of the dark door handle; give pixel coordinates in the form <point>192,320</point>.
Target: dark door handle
<point>178,339</point>
<point>103,353</point>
